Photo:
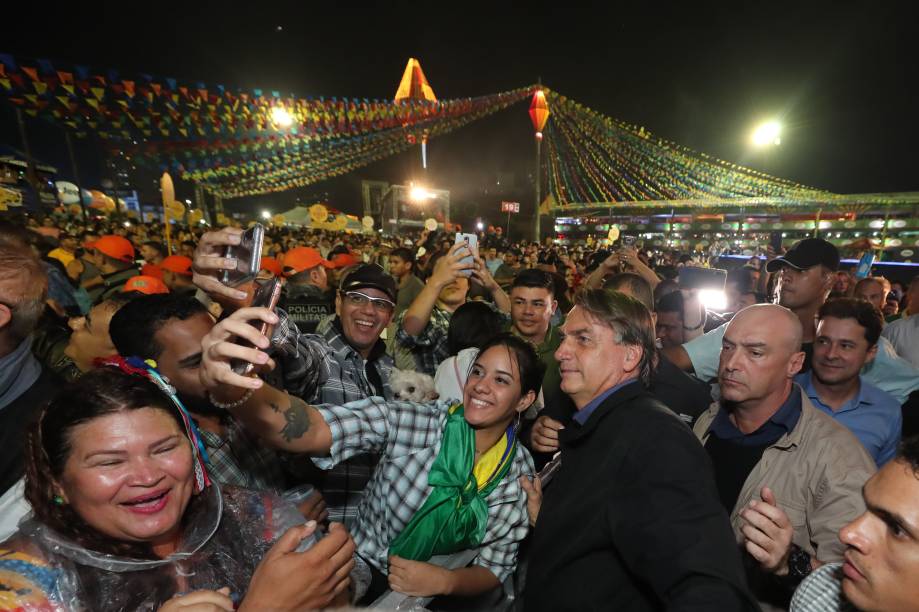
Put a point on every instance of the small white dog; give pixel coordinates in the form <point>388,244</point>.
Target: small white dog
<point>411,386</point>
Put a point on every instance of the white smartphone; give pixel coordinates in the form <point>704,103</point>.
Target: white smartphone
<point>472,241</point>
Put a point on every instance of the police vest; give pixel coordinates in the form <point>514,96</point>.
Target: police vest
<point>306,311</point>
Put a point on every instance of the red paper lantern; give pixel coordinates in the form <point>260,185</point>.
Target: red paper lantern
<point>539,112</point>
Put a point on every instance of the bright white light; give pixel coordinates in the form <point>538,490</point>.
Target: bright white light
<point>127,224</point>
<point>419,194</point>
<point>713,299</point>
<point>188,202</point>
<point>266,214</point>
<point>281,117</point>
<point>480,226</point>
<point>202,222</point>
<point>768,133</point>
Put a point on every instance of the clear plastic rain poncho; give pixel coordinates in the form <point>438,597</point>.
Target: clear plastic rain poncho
<point>226,534</point>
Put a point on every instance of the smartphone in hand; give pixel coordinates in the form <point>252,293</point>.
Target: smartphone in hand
<point>266,296</point>
<point>471,241</point>
<point>248,255</point>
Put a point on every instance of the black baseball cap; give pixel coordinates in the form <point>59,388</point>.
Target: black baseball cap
<point>806,254</point>
<point>369,275</point>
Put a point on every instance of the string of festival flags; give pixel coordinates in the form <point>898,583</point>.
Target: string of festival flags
<point>237,142</point>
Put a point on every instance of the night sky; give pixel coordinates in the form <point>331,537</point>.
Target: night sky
<point>840,76</point>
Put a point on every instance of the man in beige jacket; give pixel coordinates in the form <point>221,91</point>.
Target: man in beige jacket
<point>789,475</point>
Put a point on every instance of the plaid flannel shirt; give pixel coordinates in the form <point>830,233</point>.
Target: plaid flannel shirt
<point>238,459</point>
<point>325,369</point>
<point>429,347</point>
<point>408,435</point>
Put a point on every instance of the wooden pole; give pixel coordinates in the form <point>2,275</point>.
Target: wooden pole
<point>76,174</point>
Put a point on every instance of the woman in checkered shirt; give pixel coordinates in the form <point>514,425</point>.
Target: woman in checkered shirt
<point>448,479</point>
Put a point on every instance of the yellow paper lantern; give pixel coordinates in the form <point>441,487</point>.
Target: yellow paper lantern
<point>318,213</point>
<point>175,209</point>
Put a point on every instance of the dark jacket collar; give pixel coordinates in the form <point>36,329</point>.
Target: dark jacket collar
<point>574,431</point>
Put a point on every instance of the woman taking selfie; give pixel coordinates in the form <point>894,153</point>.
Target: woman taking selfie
<point>125,517</point>
<point>448,476</point>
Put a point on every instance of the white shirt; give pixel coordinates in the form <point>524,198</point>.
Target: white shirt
<point>13,506</point>
<point>450,377</point>
<point>904,336</point>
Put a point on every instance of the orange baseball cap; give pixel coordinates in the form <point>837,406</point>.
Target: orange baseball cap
<point>115,247</point>
<point>145,284</point>
<point>343,260</point>
<point>272,265</point>
<point>153,270</point>
<point>299,259</point>
<point>177,264</point>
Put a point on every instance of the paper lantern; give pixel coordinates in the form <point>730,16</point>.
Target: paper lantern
<point>539,112</point>
<point>175,209</point>
<point>318,213</point>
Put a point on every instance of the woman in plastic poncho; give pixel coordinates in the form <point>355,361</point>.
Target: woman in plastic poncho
<point>124,517</point>
<point>447,480</point>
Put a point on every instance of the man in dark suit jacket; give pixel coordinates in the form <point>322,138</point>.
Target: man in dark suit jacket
<point>632,520</point>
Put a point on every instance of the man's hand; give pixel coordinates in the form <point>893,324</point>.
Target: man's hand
<point>209,261</point>
<point>451,266</point>
<point>534,496</point>
<point>417,578</point>
<point>218,349</point>
<point>311,580</point>
<point>767,533</point>
<point>544,435</point>
<point>482,276</point>
<point>611,264</point>
<point>314,508</point>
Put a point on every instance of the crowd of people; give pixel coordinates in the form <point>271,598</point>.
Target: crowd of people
<point>587,431</point>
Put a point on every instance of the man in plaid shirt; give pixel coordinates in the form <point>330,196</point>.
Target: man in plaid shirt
<point>169,329</point>
<point>422,328</point>
<point>343,362</point>
<point>880,571</point>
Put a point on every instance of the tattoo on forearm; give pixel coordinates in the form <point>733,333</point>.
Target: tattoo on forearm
<point>297,417</point>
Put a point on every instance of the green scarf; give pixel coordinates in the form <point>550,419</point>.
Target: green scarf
<point>455,514</point>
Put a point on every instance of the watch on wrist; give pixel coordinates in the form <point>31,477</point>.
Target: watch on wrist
<point>799,563</point>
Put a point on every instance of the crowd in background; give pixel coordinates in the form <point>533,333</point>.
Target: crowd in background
<point>750,453</point>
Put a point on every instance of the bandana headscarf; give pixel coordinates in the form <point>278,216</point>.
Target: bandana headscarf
<point>455,514</point>
<point>147,369</point>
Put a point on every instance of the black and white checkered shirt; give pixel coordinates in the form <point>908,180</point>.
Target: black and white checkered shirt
<point>429,347</point>
<point>325,369</point>
<point>408,436</point>
<point>821,591</point>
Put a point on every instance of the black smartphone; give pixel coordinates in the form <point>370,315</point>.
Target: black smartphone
<point>702,278</point>
<point>266,296</point>
<point>775,241</point>
<point>248,255</point>
<point>629,241</point>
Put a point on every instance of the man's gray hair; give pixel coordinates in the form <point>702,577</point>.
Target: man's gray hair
<point>628,318</point>
<point>23,288</point>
